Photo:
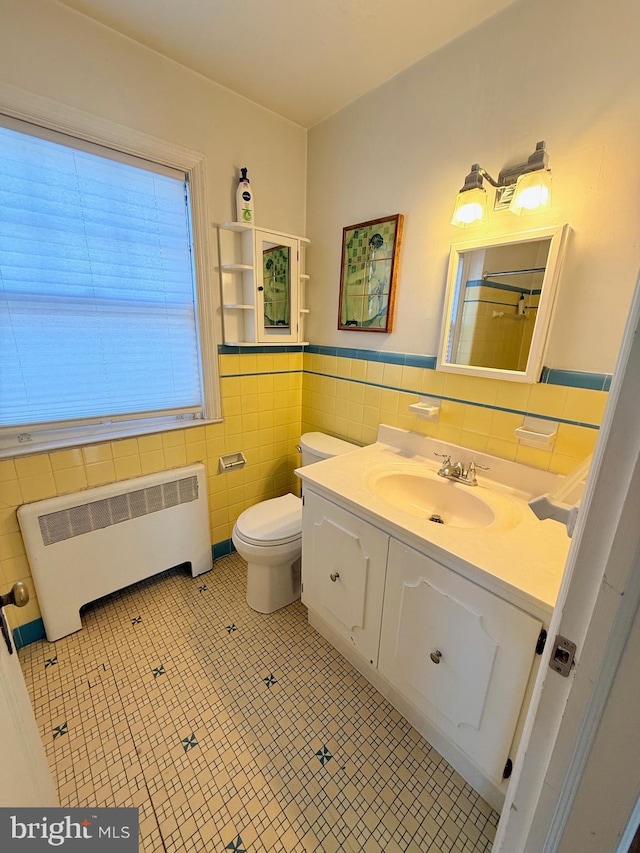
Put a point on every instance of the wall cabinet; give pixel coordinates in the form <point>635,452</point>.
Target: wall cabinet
<point>262,283</point>
<point>460,656</point>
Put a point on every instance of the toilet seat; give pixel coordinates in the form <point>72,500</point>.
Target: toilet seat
<point>277,521</point>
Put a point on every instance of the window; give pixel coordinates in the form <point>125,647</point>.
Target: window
<point>99,323</point>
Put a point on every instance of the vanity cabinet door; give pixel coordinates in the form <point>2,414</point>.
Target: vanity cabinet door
<point>461,655</point>
<point>343,571</point>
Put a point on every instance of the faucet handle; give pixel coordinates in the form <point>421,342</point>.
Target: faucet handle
<point>470,474</point>
<point>445,456</point>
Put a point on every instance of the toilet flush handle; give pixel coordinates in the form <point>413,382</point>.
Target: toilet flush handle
<point>334,576</point>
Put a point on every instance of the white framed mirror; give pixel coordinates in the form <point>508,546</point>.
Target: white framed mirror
<point>499,302</point>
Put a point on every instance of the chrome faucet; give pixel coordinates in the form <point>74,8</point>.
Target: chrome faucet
<point>456,470</point>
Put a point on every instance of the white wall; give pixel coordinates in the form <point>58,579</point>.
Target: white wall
<point>568,73</point>
<point>51,51</point>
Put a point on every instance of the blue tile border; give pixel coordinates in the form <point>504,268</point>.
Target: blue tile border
<point>221,549</point>
<point>405,359</point>
<point>426,362</point>
<point>576,379</point>
<point>225,349</point>
<point>550,375</point>
<point>29,633</point>
<point>494,285</point>
<point>259,373</point>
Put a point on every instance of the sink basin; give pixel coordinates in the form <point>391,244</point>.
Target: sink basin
<point>456,505</point>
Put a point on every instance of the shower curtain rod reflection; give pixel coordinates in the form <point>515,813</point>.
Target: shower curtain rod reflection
<point>512,272</point>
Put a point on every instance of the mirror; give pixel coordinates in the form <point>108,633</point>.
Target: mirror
<point>500,295</point>
<point>276,280</point>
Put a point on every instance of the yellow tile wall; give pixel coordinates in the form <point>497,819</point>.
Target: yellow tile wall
<point>261,405</point>
<point>267,402</point>
<point>353,406</point>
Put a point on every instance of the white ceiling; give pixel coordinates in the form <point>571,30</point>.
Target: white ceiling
<point>303,59</point>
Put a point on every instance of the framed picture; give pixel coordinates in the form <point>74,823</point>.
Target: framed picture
<point>368,271</point>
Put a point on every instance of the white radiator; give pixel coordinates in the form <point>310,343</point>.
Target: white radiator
<point>89,544</point>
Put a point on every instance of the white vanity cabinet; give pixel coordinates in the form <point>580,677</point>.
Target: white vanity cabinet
<point>453,657</point>
<point>461,655</point>
<point>344,561</point>
<point>262,285</point>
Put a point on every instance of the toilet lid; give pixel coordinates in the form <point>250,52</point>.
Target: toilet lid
<point>275,521</point>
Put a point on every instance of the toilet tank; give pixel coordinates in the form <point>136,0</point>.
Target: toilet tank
<point>315,446</point>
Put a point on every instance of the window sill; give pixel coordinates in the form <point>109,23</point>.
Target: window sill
<point>81,436</point>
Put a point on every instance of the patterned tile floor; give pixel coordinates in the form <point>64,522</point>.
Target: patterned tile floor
<point>230,730</point>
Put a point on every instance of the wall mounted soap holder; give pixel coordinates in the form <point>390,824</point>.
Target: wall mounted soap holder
<point>537,432</point>
<point>427,408</point>
<point>231,462</point>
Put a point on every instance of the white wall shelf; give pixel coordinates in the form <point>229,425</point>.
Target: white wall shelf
<point>238,227</point>
<point>254,312</point>
<point>237,267</point>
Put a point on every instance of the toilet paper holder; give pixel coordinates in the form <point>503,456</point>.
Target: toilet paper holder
<point>231,462</point>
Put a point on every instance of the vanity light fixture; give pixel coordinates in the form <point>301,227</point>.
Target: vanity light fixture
<point>522,188</point>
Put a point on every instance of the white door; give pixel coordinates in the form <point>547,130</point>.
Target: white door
<point>25,778</point>
<point>596,608</point>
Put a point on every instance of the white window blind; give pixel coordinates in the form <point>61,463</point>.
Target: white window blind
<point>97,291</point>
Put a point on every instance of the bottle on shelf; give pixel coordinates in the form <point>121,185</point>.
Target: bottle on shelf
<point>244,198</point>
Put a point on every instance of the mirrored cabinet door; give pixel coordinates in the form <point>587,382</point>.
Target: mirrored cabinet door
<point>500,297</point>
<point>277,280</point>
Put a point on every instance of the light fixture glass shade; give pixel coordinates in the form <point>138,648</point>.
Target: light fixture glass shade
<point>471,206</point>
<point>532,192</point>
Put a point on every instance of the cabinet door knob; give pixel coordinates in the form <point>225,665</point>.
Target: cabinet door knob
<point>436,656</point>
<point>334,576</point>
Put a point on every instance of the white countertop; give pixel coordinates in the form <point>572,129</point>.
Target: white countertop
<point>516,556</point>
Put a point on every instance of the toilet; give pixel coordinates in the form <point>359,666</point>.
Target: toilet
<point>269,535</point>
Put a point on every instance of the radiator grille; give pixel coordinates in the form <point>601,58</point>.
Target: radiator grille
<point>76,520</point>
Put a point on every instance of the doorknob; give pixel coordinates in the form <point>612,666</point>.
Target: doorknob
<point>18,595</point>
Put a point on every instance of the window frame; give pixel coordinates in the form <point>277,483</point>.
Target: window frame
<point>44,115</point>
